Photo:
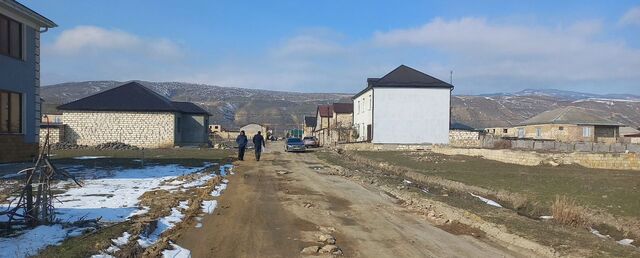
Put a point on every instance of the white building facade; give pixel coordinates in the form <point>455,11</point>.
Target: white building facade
<point>405,106</point>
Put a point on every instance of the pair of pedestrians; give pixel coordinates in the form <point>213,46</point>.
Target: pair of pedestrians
<point>258,142</point>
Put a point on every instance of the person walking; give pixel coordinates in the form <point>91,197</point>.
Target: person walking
<point>258,142</point>
<point>242,141</point>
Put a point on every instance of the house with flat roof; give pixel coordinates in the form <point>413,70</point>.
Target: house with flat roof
<point>135,115</point>
<point>569,124</point>
<point>405,106</point>
<point>20,29</point>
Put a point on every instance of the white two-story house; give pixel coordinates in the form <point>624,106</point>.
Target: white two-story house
<point>405,106</point>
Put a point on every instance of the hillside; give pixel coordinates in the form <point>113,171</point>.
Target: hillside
<point>234,107</point>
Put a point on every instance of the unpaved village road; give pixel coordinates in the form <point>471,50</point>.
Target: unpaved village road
<point>266,214</point>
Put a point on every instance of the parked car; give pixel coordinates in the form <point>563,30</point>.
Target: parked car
<point>311,141</point>
<point>294,145</point>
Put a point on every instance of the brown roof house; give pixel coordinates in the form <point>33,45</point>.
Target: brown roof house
<point>569,124</point>
<point>135,115</point>
<point>334,123</point>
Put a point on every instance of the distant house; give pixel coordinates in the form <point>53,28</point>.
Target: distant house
<point>20,29</point>
<point>135,115</point>
<point>324,115</point>
<point>252,129</point>
<point>569,124</point>
<point>215,128</point>
<point>405,106</point>
<point>309,125</point>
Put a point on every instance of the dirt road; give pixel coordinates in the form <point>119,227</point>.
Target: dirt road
<point>264,213</point>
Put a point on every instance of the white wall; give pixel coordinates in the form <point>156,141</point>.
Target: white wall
<point>411,115</point>
<point>362,113</point>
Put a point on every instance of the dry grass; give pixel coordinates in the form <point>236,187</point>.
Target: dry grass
<point>566,211</point>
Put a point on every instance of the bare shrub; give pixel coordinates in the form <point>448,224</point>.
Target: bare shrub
<point>502,144</point>
<point>566,211</point>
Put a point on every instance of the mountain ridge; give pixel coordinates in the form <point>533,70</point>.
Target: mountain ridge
<point>233,107</point>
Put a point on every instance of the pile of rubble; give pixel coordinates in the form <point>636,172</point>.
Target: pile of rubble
<point>115,146</point>
<point>102,146</point>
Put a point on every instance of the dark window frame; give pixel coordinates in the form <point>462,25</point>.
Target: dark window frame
<point>9,117</point>
<point>9,38</point>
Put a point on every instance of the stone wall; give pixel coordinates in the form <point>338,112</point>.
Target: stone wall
<point>461,138</point>
<point>367,146</point>
<point>56,134</point>
<point>622,161</point>
<point>14,148</point>
<point>148,130</point>
<point>490,142</point>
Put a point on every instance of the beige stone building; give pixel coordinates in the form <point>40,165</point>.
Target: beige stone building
<point>135,115</point>
<point>567,124</point>
<point>334,123</point>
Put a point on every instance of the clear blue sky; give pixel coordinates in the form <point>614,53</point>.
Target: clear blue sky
<point>333,46</point>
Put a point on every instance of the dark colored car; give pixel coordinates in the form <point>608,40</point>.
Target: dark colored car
<point>295,145</point>
<point>311,141</point>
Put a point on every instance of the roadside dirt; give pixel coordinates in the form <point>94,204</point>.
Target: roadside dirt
<point>280,205</point>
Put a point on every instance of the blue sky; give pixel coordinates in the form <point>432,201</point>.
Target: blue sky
<point>333,46</point>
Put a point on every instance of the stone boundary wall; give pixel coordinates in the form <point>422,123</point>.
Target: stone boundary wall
<point>367,146</point>
<point>462,138</point>
<point>141,129</point>
<point>13,148</point>
<point>621,161</point>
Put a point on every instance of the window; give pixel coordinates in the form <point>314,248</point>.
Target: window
<point>10,112</point>
<point>520,132</point>
<point>10,37</point>
<point>561,128</point>
<point>370,102</point>
<point>586,131</point>
<point>358,107</point>
<point>538,132</point>
<point>505,130</point>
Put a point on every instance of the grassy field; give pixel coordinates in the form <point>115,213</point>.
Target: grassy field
<point>615,191</point>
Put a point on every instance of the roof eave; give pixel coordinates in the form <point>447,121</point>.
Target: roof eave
<point>32,15</point>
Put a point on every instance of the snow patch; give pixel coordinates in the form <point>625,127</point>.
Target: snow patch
<point>209,206</point>
<point>177,252</point>
<point>31,241</point>
<point>90,157</point>
<point>487,201</point>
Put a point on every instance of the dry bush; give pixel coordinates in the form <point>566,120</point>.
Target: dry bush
<point>502,144</point>
<point>566,211</point>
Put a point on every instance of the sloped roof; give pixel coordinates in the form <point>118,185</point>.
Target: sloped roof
<point>325,110</point>
<point>189,108</point>
<point>28,13</point>
<point>624,131</point>
<point>461,126</point>
<point>343,108</point>
<point>131,97</point>
<point>569,115</point>
<point>310,121</point>
<point>405,77</point>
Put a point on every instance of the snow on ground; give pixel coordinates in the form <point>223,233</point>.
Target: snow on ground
<point>116,198</point>
<point>90,157</point>
<point>164,224</point>
<point>29,243</point>
<point>487,201</point>
<point>177,252</point>
<point>209,206</point>
<point>217,190</point>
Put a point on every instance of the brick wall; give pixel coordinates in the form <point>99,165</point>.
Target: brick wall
<point>15,149</point>
<point>148,130</point>
<point>56,134</point>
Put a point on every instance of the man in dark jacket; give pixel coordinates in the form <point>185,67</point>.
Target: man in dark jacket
<point>258,142</point>
<point>242,141</point>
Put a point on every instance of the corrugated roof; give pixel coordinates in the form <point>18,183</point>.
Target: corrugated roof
<point>310,121</point>
<point>569,115</point>
<point>131,97</point>
<point>343,108</point>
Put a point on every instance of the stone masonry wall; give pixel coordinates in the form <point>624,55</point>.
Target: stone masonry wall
<point>622,161</point>
<point>14,148</point>
<point>56,134</point>
<point>461,138</point>
<point>148,130</point>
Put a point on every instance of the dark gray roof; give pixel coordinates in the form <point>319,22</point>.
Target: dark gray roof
<point>343,108</point>
<point>131,97</point>
<point>461,126</point>
<point>310,121</point>
<point>569,115</point>
<point>405,77</point>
